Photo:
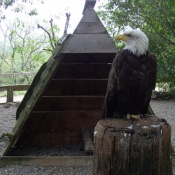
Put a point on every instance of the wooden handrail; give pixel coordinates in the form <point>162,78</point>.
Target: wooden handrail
<point>17,74</point>
<point>11,88</point>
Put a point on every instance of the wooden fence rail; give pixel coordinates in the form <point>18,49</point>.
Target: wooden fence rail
<point>11,88</point>
<point>17,74</point>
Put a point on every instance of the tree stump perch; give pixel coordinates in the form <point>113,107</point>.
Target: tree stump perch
<point>141,147</point>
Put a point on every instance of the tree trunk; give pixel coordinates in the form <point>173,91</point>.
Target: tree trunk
<point>141,147</point>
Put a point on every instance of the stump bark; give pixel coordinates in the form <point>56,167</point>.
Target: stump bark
<point>141,147</point>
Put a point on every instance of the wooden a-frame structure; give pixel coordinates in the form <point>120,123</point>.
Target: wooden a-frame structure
<point>68,92</point>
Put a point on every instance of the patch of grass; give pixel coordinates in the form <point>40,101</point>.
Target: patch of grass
<point>9,135</point>
<point>166,95</point>
<point>3,94</point>
<point>16,93</point>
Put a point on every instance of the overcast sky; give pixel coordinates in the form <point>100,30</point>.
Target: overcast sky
<point>52,8</point>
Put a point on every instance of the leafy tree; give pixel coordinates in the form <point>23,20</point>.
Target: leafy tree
<point>17,6</point>
<point>157,19</point>
<point>7,3</point>
<point>52,34</point>
<point>22,49</point>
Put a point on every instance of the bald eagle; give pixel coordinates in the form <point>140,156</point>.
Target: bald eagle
<point>132,77</point>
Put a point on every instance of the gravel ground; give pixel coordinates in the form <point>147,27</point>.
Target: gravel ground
<point>162,108</point>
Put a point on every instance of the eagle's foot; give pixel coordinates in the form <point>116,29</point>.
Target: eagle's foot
<point>137,117</point>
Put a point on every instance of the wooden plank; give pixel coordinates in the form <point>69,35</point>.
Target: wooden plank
<point>45,74</point>
<point>12,88</point>
<point>49,139</point>
<point>17,74</point>
<point>57,128</point>
<point>60,122</point>
<point>74,103</point>
<point>90,27</point>
<point>89,3</point>
<point>85,71</point>
<point>87,140</point>
<point>90,16</point>
<point>57,161</point>
<point>90,43</point>
<point>50,62</point>
<point>173,160</point>
<point>3,88</point>
<point>89,57</point>
<point>54,161</point>
<point>21,87</point>
<point>76,87</point>
<point>9,94</point>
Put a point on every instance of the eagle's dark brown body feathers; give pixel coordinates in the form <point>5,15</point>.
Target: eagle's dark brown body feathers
<point>130,84</point>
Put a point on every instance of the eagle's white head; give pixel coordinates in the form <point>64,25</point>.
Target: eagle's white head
<point>135,40</point>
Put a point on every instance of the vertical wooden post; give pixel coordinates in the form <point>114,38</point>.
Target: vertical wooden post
<point>139,148</point>
<point>87,140</point>
<point>10,94</point>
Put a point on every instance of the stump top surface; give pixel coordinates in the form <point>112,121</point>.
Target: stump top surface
<point>144,126</point>
<point>148,121</point>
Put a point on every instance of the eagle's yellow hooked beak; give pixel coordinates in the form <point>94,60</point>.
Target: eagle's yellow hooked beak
<point>121,37</point>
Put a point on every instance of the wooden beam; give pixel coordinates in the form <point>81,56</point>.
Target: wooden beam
<point>87,139</point>
<point>90,27</point>
<point>89,3</point>
<point>89,57</point>
<point>10,94</point>
<point>90,43</point>
<point>85,71</point>
<point>173,160</point>
<point>21,87</point>
<point>12,88</point>
<point>77,87</point>
<point>57,128</point>
<point>57,161</point>
<point>64,161</point>
<point>50,139</point>
<point>17,87</point>
<point>17,74</point>
<point>70,103</point>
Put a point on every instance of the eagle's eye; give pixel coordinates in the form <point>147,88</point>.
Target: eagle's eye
<point>128,35</point>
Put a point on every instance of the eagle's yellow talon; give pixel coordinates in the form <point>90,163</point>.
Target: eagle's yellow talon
<point>137,117</point>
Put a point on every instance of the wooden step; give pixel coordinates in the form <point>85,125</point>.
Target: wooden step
<point>58,122</point>
<point>83,71</point>
<point>68,103</point>
<point>72,87</point>
<point>54,128</point>
<point>89,57</point>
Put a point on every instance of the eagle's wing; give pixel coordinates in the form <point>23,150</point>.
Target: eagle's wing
<point>120,77</point>
<point>151,80</point>
<point>110,98</point>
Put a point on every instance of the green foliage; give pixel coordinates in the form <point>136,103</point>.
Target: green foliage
<point>33,12</point>
<point>22,50</point>
<point>52,32</point>
<point>157,19</point>
<point>9,135</point>
<point>17,6</point>
<point>8,3</point>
